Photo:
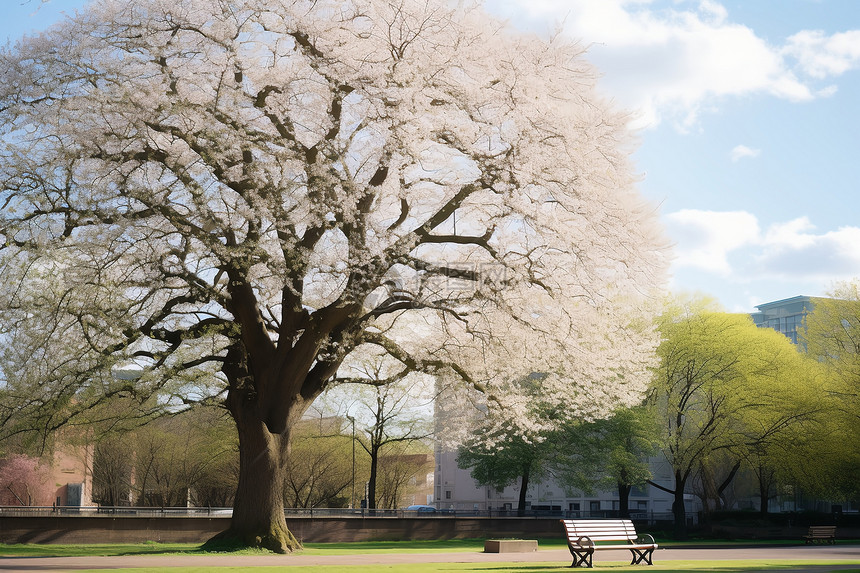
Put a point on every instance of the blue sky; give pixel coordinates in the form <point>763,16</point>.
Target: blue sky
<point>748,115</point>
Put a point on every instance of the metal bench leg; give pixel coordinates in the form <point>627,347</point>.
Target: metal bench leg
<point>640,555</point>
<point>581,558</point>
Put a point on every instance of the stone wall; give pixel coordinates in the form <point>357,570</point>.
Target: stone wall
<point>107,529</point>
<point>120,529</point>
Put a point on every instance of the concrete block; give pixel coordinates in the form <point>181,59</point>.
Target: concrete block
<point>510,545</point>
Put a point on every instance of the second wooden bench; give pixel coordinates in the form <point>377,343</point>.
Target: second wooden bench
<point>821,534</point>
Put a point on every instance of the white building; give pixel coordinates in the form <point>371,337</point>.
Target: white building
<point>456,489</point>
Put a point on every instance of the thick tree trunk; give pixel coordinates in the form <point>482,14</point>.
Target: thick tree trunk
<point>258,509</point>
<point>258,512</point>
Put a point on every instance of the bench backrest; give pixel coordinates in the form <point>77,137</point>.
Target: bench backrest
<point>822,529</point>
<point>600,529</point>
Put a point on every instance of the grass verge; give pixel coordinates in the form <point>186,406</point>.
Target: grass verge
<point>669,567</point>
<point>360,547</point>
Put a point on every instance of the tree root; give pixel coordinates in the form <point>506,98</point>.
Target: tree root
<point>276,539</point>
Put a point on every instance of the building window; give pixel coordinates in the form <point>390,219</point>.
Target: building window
<point>448,494</point>
<point>594,506</point>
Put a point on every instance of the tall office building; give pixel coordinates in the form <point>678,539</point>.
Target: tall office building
<point>785,316</point>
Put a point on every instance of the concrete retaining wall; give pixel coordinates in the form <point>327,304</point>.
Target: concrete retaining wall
<point>107,529</point>
<point>124,529</point>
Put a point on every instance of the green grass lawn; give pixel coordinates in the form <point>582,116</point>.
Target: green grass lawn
<point>405,547</point>
<point>673,567</point>
<point>102,549</point>
<point>363,547</point>
<point>731,566</point>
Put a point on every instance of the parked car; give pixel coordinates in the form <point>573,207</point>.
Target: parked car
<point>422,508</point>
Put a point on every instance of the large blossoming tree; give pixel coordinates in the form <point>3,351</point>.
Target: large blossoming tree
<point>234,198</point>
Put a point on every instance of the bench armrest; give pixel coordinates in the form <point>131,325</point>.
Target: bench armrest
<point>645,538</point>
<point>584,541</point>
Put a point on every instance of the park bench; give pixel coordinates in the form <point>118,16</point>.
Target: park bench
<point>585,536</point>
<point>821,534</point>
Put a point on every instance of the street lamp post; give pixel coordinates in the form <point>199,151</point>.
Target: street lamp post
<point>352,495</point>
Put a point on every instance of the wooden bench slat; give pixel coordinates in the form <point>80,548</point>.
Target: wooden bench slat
<point>604,537</point>
<point>821,533</point>
<point>612,524</point>
<point>624,546</point>
<point>585,536</point>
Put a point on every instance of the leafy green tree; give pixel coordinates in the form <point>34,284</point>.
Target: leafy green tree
<point>612,453</point>
<point>499,453</point>
<point>832,336</point>
<point>723,385</point>
<point>502,460</point>
<point>776,439</point>
<point>714,477</point>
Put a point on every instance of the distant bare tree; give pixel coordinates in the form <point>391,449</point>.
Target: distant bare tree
<point>113,464</point>
<point>400,470</point>
<point>320,471</point>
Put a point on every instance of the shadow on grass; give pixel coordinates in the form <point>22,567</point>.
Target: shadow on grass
<point>396,546</point>
<point>154,548</point>
<point>99,550</point>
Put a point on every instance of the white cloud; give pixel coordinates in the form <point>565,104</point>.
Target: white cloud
<point>823,56</point>
<point>704,239</point>
<point>716,10</point>
<point>741,151</point>
<point>676,60</point>
<point>732,245</point>
<point>791,234</point>
<point>794,248</point>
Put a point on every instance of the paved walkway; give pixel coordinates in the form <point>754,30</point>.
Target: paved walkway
<point>561,557</point>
